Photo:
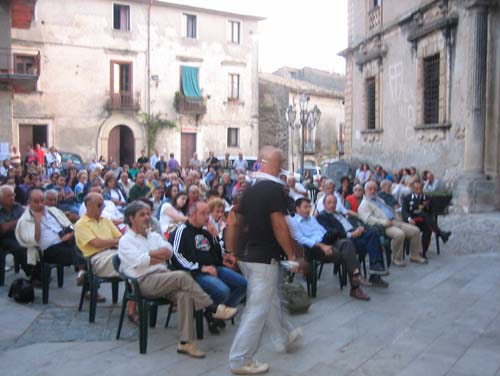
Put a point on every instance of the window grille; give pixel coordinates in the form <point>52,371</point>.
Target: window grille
<point>431,89</point>
<point>233,137</point>
<point>370,103</point>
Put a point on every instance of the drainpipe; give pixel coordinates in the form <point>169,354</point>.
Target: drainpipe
<point>149,69</point>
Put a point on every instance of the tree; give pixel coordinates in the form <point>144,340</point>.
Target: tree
<point>153,124</point>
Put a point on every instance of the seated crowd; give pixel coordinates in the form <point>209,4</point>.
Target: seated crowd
<point>166,223</point>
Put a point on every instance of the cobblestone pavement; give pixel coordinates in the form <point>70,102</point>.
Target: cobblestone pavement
<point>438,319</point>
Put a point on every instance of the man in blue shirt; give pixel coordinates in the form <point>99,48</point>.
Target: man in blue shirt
<point>307,231</point>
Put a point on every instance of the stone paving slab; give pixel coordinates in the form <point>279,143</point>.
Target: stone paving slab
<point>437,319</point>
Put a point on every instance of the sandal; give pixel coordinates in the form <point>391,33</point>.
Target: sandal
<point>133,318</point>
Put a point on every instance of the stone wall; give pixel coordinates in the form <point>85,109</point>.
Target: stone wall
<point>272,128</point>
<point>402,139</point>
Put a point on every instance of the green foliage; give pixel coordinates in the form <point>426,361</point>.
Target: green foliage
<point>153,125</point>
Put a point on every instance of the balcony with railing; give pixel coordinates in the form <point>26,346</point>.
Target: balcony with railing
<point>190,105</point>
<point>375,18</point>
<point>19,69</point>
<point>124,101</point>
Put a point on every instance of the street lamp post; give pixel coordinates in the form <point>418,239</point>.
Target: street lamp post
<point>308,119</point>
<point>290,115</point>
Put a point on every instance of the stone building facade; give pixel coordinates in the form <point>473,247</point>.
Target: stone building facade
<point>100,63</point>
<point>423,88</point>
<point>321,143</point>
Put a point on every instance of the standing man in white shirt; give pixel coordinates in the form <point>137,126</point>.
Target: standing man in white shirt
<point>240,163</point>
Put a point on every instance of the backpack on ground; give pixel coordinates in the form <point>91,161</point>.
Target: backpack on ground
<point>22,291</point>
<point>295,295</point>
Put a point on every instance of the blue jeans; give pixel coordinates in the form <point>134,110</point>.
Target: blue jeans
<point>229,287</point>
<point>263,311</point>
<point>369,242</point>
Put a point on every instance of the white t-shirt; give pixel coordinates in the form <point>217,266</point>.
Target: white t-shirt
<point>165,219</point>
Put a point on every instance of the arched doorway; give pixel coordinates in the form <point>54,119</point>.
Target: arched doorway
<point>121,145</point>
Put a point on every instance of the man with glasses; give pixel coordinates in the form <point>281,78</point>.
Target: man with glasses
<point>97,237</point>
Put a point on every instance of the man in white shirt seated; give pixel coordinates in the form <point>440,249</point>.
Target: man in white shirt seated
<point>143,255</point>
<point>297,190</point>
<point>48,229</point>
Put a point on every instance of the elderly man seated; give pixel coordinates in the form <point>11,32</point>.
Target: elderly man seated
<point>374,211</point>
<point>47,229</point>
<point>417,211</point>
<point>324,246</point>
<point>10,212</point>
<point>386,195</point>
<point>97,237</point>
<point>297,190</point>
<point>365,240</point>
<point>198,251</point>
<point>329,187</point>
<point>143,255</point>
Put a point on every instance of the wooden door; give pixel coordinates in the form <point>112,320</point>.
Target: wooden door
<point>127,146</point>
<point>188,147</point>
<point>25,138</point>
<point>114,144</point>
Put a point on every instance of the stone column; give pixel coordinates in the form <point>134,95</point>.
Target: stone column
<point>475,130</point>
<point>473,191</point>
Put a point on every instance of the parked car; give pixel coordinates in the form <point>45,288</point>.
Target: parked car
<point>75,158</point>
<point>336,170</point>
<point>250,160</point>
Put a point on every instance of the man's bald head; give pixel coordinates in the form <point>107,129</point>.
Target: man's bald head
<point>92,197</point>
<point>272,159</point>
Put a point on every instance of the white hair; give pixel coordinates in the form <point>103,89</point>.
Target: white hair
<point>3,187</point>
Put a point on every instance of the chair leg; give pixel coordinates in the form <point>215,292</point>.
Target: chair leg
<point>320,270</point>
<point>85,288</point>
<point>199,324</point>
<point>94,285</point>
<point>437,245</point>
<point>2,267</point>
<point>314,278</point>
<point>114,291</point>
<point>170,308</point>
<point>17,266</point>
<point>45,282</point>
<point>122,314</point>
<point>60,275</point>
<point>143,327</point>
<point>153,314</point>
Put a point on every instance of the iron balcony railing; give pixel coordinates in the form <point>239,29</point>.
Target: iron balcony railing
<point>190,105</point>
<point>124,101</point>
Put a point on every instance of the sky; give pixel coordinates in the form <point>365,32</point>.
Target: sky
<point>295,33</point>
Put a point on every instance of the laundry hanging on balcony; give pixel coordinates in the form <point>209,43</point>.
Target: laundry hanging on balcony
<point>190,87</point>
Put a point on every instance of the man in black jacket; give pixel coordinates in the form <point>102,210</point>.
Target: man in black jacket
<point>417,211</point>
<point>365,240</point>
<point>197,251</point>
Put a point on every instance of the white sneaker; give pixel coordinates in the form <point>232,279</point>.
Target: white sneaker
<point>294,340</point>
<point>252,368</point>
<point>224,312</point>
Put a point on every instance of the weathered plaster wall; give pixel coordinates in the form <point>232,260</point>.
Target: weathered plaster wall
<point>77,42</point>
